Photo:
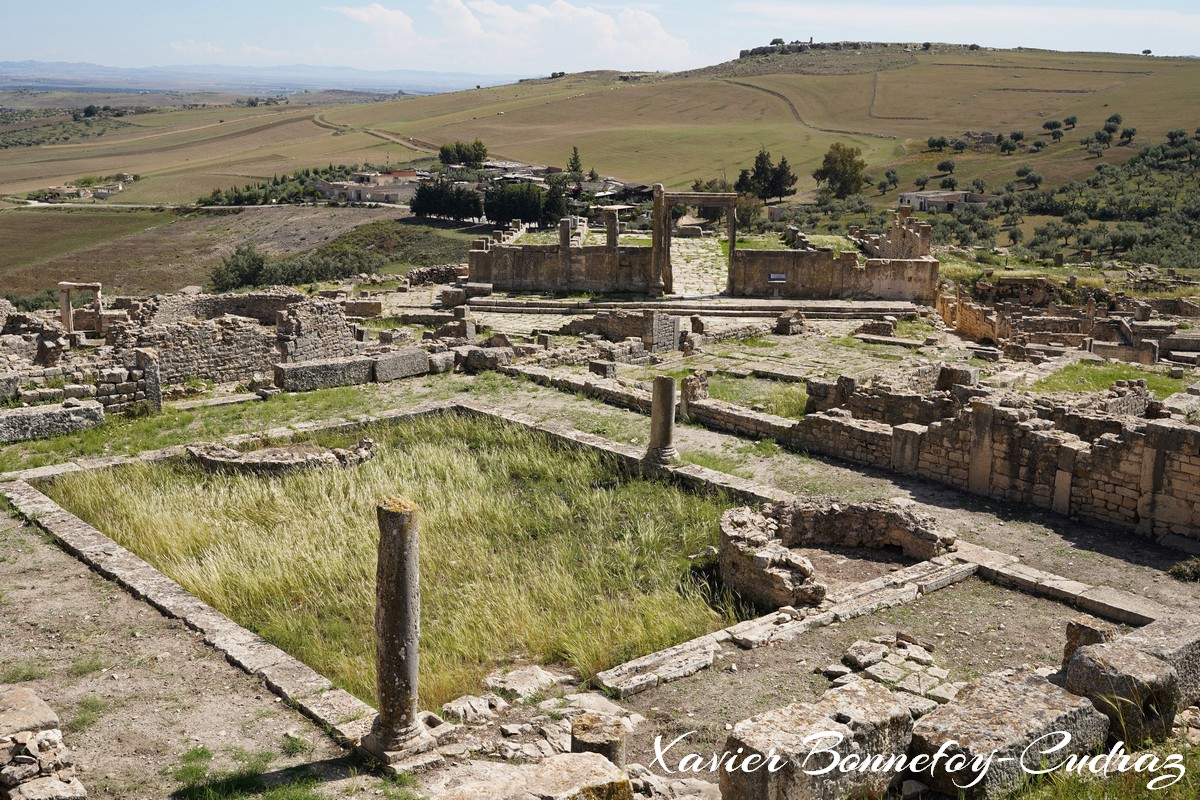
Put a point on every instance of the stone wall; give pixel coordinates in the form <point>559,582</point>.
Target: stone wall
<point>907,238</point>
<point>34,762</point>
<point>821,274</point>
<point>223,350</point>
<point>42,422</point>
<point>315,329</point>
<point>552,268</point>
<point>658,332</point>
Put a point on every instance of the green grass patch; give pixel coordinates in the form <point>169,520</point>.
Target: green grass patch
<point>87,713</point>
<point>781,399</point>
<point>86,665</point>
<point>1089,376</point>
<point>527,548</point>
<point>714,461</point>
<point>199,780</point>
<point>29,669</point>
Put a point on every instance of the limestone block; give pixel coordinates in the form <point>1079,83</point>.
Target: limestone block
<point>305,376</point>
<point>1175,640</point>
<point>1082,631</point>
<point>522,683</point>
<point>1138,692</point>
<point>861,718</point>
<point>403,363</point>
<point>22,710</point>
<point>861,655</point>
<point>49,788</point>
<point>599,733</point>
<point>480,359</point>
<point>441,362</point>
<point>42,422</point>
<point>759,567</point>
<point>1004,712</point>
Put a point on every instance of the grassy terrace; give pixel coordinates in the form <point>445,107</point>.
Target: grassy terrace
<point>1085,376</point>
<point>528,551</point>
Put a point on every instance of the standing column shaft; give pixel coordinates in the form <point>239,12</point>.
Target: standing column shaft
<point>662,421</point>
<point>397,627</point>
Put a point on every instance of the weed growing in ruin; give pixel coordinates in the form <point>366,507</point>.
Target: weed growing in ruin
<point>87,713</point>
<point>1086,376</point>
<point>527,547</point>
<point>1186,570</point>
<point>31,669</point>
<point>86,665</point>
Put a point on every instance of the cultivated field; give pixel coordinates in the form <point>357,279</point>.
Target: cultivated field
<point>660,127</point>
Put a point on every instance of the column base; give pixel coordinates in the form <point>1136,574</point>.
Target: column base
<point>410,747</point>
<point>662,455</point>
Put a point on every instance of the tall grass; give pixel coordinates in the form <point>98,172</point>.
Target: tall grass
<point>528,550</point>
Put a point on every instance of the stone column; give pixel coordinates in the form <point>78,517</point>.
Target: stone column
<point>731,232</point>
<point>660,251</point>
<point>67,313</point>
<point>611,230</point>
<point>662,422</point>
<point>397,732</point>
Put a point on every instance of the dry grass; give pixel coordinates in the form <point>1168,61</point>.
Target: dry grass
<point>527,551</point>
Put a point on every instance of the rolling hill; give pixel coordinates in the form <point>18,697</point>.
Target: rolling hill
<point>885,99</point>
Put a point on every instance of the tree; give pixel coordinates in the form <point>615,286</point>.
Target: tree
<point>554,204</point>
<point>775,41</point>
<point>1017,136</point>
<point>959,145</point>
<point>883,186</point>
<point>892,177</point>
<point>1024,170</point>
<point>744,185</point>
<point>946,165</point>
<point>1057,135</point>
<point>949,182</point>
<point>761,174</point>
<point>938,143</point>
<point>1051,125</point>
<point>979,185</point>
<point>1070,121</point>
<point>1128,134</point>
<point>90,111</point>
<point>523,201</point>
<point>471,154</point>
<point>575,163</point>
<point>1033,179</point>
<point>920,181</point>
<point>1115,119</point>
<point>842,170</point>
<point>1145,52</point>
<point>783,180</point>
<point>593,175</point>
<point>926,45</point>
<point>1015,236</point>
<point>242,267</point>
<point>1039,144</point>
<point>1008,146</point>
<point>1177,137</point>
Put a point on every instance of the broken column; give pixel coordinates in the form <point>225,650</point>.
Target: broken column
<point>397,732</point>
<point>662,422</point>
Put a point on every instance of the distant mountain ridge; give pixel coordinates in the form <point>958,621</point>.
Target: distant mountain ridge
<point>220,78</point>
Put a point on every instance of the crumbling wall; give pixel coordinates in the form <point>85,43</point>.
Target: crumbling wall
<point>314,329</point>
<point>907,238</point>
<point>34,760</point>
<point>658,332</point>
<point>224,350</point>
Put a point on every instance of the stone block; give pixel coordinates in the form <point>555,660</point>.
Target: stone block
<point>481,359</point>
<point>1082,631</point>
<point>1175,640</point>
<point>403,363</point>
<point>1003,712</point>
<point>599,733</point>
<point>605,369</point>
<point>860,718</point>
<point>441,362</point>
<point>43,422</point>
<point>1138,692</point>
<point>305,376</point>
<point>22,710</point>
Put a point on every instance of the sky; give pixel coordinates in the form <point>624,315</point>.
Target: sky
<point>523,38</point>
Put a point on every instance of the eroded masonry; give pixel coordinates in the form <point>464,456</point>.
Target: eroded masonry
<point>881,616</point>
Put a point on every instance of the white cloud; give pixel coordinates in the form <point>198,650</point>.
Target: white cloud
<point>496,37</point>
<point>190,47</point>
